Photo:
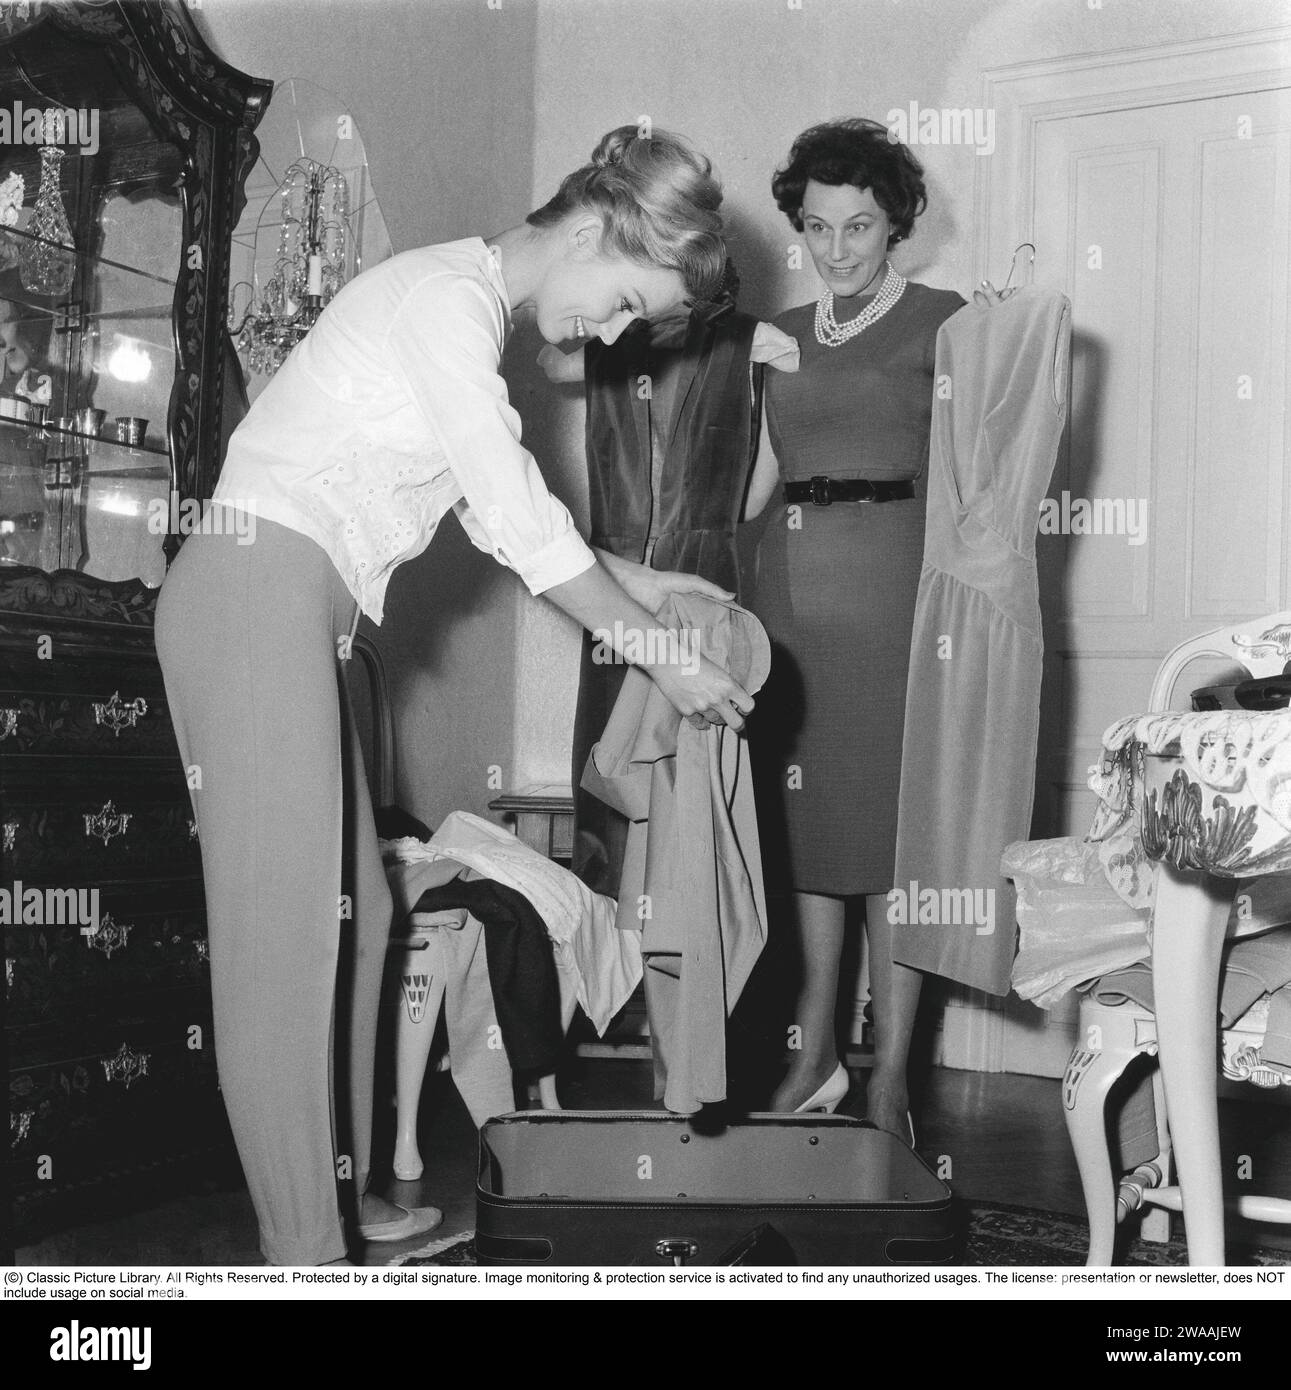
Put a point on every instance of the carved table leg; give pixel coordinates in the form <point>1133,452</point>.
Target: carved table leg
<point>1189,919</point>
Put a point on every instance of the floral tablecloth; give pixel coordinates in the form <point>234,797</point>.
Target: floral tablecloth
<point>1206,792</point>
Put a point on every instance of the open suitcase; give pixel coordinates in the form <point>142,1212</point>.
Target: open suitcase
<point>619,1187</point>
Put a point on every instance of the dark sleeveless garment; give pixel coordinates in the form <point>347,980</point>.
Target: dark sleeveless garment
<point>687,415</point>
<point>671,436</point>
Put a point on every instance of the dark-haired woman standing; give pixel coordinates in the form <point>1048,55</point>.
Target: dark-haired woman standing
<point>838,572</point>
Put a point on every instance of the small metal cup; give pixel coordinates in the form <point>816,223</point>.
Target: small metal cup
<point>131,429</point>
<point>90,421</point>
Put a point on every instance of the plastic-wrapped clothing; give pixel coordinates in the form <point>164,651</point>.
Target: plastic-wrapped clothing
<point>1075,923</point>
<point>1073,926</point>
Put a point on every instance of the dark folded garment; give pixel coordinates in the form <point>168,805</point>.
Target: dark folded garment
<point>394,823</point>
<point>522,968</point>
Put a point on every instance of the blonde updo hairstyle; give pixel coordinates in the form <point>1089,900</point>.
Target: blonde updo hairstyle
<point>658,204</point>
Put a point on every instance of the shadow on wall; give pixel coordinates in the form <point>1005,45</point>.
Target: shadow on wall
<point>448,642</point>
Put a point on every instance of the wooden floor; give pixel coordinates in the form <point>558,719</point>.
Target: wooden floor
<point>994,1138</point>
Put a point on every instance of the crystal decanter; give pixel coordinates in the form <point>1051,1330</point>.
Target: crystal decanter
<point>43,266</point>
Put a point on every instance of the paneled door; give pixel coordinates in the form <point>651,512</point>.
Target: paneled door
<point>1158,197</point>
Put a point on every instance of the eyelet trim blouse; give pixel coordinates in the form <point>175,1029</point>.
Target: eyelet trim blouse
<point>391,412</point>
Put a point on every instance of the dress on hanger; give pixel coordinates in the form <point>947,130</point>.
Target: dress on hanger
<point>973,697</point>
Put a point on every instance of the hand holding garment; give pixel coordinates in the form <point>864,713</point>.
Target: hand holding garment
<point>692,872</point>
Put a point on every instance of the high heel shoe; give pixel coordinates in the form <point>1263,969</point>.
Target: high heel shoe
<point>830,1093</point>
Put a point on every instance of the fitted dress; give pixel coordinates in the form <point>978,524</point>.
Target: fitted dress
<point>835,588</point>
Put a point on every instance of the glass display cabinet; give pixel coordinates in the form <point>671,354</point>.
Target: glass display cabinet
<point>124,146</point>
<point>85,474</point>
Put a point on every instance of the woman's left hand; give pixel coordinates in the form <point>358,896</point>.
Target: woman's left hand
<point>987,294</point>
<point>651,588</point>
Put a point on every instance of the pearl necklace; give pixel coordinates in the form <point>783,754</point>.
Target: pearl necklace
<point>831,333</point>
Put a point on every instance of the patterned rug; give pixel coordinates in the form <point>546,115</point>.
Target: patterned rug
<point>990,1234</point>
<point>1001,1235</point>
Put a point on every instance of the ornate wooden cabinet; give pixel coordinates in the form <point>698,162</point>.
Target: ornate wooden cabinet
<point>107,1025</point>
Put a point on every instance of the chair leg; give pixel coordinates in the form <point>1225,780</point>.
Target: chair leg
<point>421,982</point>
<point>1089,1078</point>
<point>1155,1226</point>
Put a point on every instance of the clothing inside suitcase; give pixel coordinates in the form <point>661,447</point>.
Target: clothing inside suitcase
<point>615,1187</point>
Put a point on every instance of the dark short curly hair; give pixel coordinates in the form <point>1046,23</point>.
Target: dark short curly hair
<point>861,153</point>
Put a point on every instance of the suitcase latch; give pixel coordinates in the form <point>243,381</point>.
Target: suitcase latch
<point>678,1249</point>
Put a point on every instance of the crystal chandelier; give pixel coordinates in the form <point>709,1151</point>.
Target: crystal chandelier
<point>313,245</point>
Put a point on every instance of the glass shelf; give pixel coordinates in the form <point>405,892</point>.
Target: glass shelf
<point>101,268</point>
<point>96,444</point>
<point>71,502</point>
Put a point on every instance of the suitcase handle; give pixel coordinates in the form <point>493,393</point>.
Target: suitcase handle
<point>516,1249</point>
<point>763,1245</point>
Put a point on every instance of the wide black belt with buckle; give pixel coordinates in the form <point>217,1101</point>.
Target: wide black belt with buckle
<point>821,491</point>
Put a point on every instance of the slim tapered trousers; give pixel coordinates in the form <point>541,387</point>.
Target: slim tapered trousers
<point>251,639</point>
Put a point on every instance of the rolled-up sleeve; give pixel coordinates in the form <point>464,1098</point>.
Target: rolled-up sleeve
<point>446,345</point>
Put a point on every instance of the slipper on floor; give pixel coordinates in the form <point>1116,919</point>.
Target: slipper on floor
<point>415,1221</point>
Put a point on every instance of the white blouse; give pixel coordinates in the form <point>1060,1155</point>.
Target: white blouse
<point>390,412</point>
